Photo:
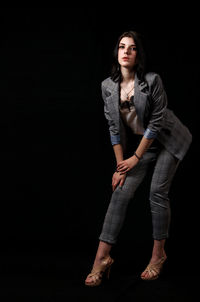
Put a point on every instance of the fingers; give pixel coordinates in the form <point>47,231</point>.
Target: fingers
<point>122,182</point>
<point>124,172</point>
<point>122,166</point>
<point>114,185</point>
<point>118,181</point>
<point>123,169</point>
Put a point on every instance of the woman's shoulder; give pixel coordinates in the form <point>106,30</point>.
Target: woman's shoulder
<point>151,76</point>
<point>108,84</point>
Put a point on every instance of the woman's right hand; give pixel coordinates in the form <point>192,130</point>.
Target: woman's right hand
<point>118,179</point>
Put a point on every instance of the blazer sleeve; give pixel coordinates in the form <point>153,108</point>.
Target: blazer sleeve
<point>158,107</point>
<point>114,133</point>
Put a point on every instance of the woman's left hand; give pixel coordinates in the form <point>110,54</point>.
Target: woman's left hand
<point>128,164</point>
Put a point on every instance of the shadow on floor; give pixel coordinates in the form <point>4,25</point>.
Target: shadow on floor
<point>48,272</point>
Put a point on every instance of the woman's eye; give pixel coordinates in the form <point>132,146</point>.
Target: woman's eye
<point>131,48</point>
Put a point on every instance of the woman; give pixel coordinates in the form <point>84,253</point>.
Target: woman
<point>143,132</point>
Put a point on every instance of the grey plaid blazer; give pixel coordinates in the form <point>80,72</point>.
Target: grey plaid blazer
<point>150,101</point>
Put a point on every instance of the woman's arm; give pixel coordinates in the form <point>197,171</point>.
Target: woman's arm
<point>145,143</point>
<point>118,178</point>
<point>159,105</point>
<point>126,165</point>
<point>118,153</point>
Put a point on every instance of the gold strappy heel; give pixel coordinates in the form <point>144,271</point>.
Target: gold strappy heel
<point>98,272</point>
<point>154,269</point>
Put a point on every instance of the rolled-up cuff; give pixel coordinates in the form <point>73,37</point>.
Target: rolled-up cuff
<point>115,139</point>
<point>149,134</point>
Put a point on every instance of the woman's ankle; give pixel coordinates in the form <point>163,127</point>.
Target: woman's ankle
<point>158,253</point>
<point>101,257</point>
<point>158,250</point>
<point>103,251</point>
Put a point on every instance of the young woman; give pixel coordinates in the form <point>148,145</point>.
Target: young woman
<point>143,132</point>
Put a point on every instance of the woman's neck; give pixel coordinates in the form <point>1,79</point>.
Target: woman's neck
<point>127,75</point>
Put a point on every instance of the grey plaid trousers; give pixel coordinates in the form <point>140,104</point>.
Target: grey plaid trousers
<point>164,170</point>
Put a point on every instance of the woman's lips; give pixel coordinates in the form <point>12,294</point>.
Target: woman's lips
<point>125,58</point>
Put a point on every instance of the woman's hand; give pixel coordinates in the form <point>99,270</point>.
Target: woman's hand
<point>118,178</point>
<point>128,164</point>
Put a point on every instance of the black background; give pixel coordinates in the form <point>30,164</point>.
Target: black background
<point>56,156</point>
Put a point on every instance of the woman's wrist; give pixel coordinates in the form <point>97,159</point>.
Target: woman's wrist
<point>137,156</point>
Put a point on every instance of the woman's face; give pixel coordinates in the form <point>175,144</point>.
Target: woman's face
<point>127,52</point>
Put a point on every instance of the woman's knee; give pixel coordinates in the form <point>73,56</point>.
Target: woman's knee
<point>158,197</point>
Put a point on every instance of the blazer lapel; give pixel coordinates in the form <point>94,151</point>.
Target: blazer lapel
<point>140,99</point>
<point>114,97</point>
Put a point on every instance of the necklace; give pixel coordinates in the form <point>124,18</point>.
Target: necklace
<point>127,94</point>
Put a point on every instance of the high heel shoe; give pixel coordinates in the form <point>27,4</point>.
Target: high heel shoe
<point>154,270</point>
<point>98,272</point>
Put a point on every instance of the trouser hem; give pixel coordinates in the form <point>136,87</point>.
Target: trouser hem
<point>107,240</point>
<point>160,237</point>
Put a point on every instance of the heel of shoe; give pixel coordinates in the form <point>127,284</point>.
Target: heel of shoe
<point>100,273</point>
<point>108,270</point>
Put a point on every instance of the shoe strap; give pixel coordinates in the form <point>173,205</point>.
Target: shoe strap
<point>155,267</point>
<point>101,268</point>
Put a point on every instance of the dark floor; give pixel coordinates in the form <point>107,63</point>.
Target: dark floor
<point>52,271</point>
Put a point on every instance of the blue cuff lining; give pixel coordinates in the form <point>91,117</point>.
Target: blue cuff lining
<point>115,139</point>
<point>149,134</point>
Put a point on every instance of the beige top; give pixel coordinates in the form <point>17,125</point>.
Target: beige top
<point>129,116</point>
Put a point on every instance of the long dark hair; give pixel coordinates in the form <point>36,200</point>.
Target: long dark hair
<point>140,59</point>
